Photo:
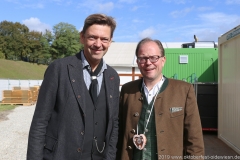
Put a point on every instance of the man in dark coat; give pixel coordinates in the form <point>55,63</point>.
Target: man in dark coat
<point>76,115</point>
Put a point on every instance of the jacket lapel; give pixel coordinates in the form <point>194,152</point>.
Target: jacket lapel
<point>76,79</point>
<point>109,79</point>
<point>138,102</point>
<point>159,98</point>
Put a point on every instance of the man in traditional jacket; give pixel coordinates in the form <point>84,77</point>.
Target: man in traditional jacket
<point>158,116</point>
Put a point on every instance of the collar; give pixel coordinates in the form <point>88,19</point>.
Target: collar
<point>156,88</point>
<point>86,65</point>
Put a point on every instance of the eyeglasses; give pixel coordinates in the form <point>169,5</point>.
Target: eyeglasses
<point>152,59</point>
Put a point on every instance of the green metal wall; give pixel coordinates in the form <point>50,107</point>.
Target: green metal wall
<point>202,64</point>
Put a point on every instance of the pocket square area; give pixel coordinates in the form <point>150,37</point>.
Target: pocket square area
<point>175,109</point>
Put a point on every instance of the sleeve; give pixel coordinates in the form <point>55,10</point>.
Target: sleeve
<point>193,137</point>
<point>42,114</point>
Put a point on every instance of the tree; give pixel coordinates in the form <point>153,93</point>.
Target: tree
<point>14,41</point>
<point>34,46</point>
<point>46,41</point>
<point>66,40</point>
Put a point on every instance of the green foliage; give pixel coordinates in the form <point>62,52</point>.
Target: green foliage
<point>66,41</point>
<point>2,55</point>
<point>18,43</point>
<point>13,39</point>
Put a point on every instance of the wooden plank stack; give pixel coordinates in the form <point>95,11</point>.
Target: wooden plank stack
<point>34,91</point>
<point>20,96</point>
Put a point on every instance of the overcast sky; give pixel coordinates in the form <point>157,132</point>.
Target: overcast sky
<point>166,20</point>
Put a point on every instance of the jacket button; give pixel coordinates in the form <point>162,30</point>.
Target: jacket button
<point>79,96</point>
<point>79,150</point>
<point>133,131</point>
<point>110,96</point>
<point>82,133</point>
<point>129,147</point>
<point>73,80</point>
<point>136,114</point>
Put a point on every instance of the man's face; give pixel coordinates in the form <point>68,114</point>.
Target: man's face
<point>96,41</point>
<point>151,71</point>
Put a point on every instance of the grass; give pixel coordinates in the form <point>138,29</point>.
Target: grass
<point>6,107</point>
<point>10,69</point>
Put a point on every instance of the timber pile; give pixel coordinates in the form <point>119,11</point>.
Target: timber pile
<point>34,91</point>
<point>21,96</point>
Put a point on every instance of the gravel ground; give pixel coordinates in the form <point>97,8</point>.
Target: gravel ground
<point>15,124</point>
<point>14,133</point>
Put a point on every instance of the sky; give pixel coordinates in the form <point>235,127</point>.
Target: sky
<point>165,20</point>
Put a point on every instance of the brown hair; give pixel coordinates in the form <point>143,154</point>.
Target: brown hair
<point>159,43</point>
<point>101,19</point>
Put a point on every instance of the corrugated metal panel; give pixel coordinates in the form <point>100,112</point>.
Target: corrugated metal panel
<point>229,90</point>
<point>121,54</point>
<point>202,64</point>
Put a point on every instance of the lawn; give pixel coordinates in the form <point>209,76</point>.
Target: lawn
<point>6,107</point>
<point>10,69</point>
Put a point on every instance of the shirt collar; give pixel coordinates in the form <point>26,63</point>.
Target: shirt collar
<point>86,65</point>
<point>155,88</point>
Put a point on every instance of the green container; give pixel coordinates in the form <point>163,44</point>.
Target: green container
<point>192,64</point>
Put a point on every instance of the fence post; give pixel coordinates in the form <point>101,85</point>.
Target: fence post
<point>8,83</point>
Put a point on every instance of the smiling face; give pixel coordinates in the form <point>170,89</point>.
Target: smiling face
<point>152,72</point>
<point>96,41</point>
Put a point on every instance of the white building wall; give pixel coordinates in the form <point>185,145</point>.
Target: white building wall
<point>229,88</point>
<point>126,73</point>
